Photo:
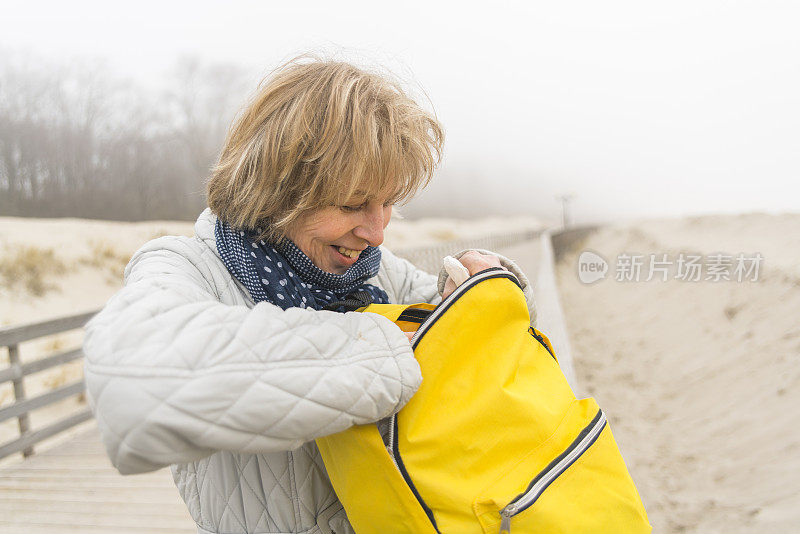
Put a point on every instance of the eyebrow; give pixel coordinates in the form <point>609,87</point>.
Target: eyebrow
<point>361,195</point>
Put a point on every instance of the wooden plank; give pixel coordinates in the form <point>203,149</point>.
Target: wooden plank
<point>75,464</point>
<point>14,372</point>
<point>33,437</point>
<point>23,420</point>
<point>93,474</point>
<point>71,492</point>
<point>65,481</point>
<point>12,335</point>
<point>23,407</point>
<point>87,504</point>
<point>119,495</point>
<point>89,461</point>
<point>150,512</point>
<point>38,528</point>
<point>41,364</point>
<point>103,518</point>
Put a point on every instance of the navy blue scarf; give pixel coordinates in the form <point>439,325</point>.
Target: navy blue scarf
<point>283,275</point>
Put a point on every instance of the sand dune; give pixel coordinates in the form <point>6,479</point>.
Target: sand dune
<point>701,379</point>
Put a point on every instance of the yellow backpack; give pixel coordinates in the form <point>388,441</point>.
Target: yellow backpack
<point>494,439</point>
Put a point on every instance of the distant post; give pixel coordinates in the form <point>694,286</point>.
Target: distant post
<point>565,209</point>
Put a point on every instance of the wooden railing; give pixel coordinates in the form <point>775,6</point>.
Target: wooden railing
<point>11,338</point>
<point>428,258</point>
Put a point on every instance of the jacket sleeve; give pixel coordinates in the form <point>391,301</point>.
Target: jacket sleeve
<point>527,288</point>
<point>173,375</point>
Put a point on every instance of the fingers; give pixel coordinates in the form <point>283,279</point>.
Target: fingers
<point>449,287</point>
<point>476,262</point>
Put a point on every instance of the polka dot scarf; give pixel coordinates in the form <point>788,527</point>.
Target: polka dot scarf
<point>285,276</point>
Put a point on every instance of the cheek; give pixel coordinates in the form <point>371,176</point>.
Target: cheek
<point>306,231</point>
<point>334,225</point>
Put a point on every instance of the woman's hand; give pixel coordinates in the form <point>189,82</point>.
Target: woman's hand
<point>475,262</point>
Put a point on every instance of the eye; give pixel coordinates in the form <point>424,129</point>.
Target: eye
<point>353,209</point>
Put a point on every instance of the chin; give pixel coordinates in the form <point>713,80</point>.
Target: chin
<point>328,268</point>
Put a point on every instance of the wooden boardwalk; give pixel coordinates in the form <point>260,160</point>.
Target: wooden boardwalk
<point>72,487</point>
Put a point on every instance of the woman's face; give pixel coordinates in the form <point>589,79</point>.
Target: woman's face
<point>333,237</point>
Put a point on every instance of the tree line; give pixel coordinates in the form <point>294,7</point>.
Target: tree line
<point>77,140</point>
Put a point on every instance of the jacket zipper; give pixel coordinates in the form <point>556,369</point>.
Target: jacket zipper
<point>546,477</point>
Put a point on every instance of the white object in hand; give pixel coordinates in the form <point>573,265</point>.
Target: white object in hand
<point>455,269</point>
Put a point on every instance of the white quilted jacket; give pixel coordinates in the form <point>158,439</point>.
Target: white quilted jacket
<point>184,369</point>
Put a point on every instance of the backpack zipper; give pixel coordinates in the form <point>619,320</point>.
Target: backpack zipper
<point>581,444</point>
<point>492,272</point>
<point>394,452</point>
<point>390,446</point>
<point>393,448</point>
<point>539,338</point>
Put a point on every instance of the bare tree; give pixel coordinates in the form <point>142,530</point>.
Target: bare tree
<point>77,141</point>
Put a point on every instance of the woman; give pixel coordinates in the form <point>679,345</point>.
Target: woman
<point>218,357</point>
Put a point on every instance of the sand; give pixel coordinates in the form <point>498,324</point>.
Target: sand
<point>701,380</point>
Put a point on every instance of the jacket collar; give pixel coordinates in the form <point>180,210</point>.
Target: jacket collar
<point>204,229</point>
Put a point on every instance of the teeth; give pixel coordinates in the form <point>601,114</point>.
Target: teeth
<point>348,252</point>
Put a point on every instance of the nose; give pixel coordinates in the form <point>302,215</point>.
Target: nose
<point>372,224</point>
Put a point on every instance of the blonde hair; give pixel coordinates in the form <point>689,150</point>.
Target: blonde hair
<point>319,133</point>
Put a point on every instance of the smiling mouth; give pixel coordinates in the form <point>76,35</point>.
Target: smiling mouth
<point>350,254</point>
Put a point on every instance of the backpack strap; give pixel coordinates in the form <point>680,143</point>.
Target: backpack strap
<point>352,302</point>
<point>407,316</point>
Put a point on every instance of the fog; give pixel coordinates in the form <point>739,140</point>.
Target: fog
<point>637,109</point>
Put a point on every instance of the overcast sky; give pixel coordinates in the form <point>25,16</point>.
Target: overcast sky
<point>637,108</point>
